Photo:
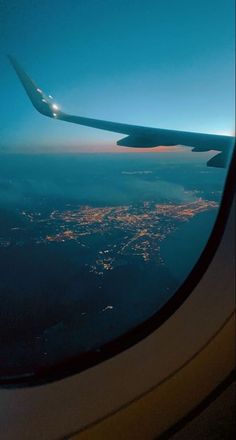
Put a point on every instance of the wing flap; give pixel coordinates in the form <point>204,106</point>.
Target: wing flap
<point>219,161</point>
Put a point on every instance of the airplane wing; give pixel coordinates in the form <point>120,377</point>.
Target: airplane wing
<point>135,136</point>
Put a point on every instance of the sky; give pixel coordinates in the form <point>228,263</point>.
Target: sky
<point>159,63</point>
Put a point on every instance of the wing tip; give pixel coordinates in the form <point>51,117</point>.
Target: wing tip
<point>42,103</point>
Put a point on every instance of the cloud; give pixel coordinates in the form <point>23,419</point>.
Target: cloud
<point>108,188</point>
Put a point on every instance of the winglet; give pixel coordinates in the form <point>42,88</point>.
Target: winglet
<point>43,103</point>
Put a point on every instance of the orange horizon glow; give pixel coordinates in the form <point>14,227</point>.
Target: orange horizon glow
<point>119,149</point>
<point>91,149</point>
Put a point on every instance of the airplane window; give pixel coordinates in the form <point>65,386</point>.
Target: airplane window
<point>101,222</point>
<point>93,245</point>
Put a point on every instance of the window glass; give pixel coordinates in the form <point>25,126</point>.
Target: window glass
<point>95,237</point>
<point>92,245</point>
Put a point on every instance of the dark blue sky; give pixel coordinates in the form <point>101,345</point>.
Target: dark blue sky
<point>161,63</point>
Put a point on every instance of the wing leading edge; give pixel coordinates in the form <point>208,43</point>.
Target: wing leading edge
<point>136,136</point>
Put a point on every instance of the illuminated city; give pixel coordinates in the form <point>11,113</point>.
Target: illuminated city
<point>138,230</point>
